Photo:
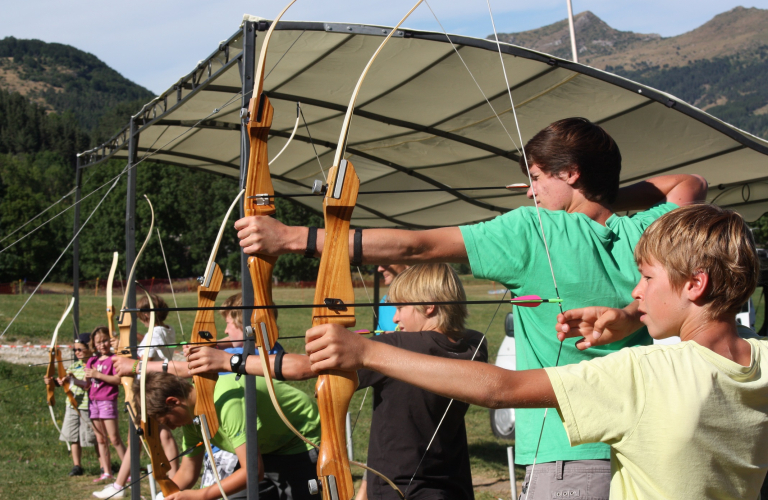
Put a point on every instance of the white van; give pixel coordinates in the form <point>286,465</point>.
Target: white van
<point>503,420</point>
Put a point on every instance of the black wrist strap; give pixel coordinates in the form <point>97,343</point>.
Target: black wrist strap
<point>311,243</point>
<point>240,368</point>
<point>279,365</point>
<point>357,248</point>
<point>165,366</point>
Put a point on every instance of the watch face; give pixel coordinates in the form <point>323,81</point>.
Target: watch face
<point>235,360</point>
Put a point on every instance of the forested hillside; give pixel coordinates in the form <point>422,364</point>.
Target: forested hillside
<point>56,101</point>
<point>62,78</point>
<point>732,88</point>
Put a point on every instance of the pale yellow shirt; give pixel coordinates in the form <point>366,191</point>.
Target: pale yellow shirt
<point>682,421</point>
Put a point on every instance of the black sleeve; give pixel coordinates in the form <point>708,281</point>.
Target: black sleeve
<point>474,338</point>
<point>370,378</point>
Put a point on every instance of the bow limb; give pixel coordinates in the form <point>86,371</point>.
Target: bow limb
<point>110,307</point>
<point>124,323</point>
<point>56,369</point>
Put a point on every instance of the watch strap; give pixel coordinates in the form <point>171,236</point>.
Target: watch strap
<point>311,243</point>
<point>357,248</point>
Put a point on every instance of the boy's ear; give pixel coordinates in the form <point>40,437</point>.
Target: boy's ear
<point>571,175</point>
<point>172,401</point>
<point>697,285</point>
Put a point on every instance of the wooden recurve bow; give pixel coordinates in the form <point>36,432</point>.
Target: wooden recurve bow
<point>56,370</point>
<point>259,201</point>
<point>335,388</point>
<point>204,332</point>
<point>334,288</point>
<point>259,185</point>
<point>110,307</point>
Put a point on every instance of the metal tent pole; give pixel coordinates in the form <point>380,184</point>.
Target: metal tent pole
<point>130,257</point>
<point>574,51</point>
<point>247,66</point>
<point>76,252</point>
<point>376,299</point>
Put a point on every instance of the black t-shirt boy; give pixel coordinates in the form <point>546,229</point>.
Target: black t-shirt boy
<point>405,418</point>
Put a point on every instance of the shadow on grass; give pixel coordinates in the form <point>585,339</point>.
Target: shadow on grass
<point>490,452</point>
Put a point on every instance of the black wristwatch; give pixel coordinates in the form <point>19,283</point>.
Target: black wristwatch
<point>237,364</point>
<point>235,361</point>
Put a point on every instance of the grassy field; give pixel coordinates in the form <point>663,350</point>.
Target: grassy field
<point>34,463</point>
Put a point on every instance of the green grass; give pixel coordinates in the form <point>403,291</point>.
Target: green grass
<point>34,463</point>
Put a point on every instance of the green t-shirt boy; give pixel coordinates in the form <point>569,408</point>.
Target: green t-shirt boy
<point>593,264</point>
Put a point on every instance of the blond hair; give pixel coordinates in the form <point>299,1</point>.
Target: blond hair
<point>710,239</point>
<point>236,300</point>
<point>433,282</point>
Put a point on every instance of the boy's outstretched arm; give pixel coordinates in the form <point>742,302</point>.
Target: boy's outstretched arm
<point>680,189</point>
<point>208,359</point>
<point>266,235</point>
<point>332,347</point>
<point>598,325</point>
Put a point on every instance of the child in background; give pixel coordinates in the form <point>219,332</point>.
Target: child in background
<point>683,421</point>
<point>77,428</point>
<point>162,335</point>
<point>160,351</point>
<point>102,394</point>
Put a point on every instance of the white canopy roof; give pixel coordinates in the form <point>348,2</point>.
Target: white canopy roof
<point>421,122</point>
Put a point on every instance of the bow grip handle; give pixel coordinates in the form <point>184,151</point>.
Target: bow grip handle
<point>334,392</point>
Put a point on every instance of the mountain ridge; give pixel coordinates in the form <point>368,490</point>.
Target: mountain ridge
<point>720,67</point>
<point>61,78</point>
<point>601,46</point>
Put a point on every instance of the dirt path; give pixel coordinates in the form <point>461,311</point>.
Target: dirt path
<point>498,487</point>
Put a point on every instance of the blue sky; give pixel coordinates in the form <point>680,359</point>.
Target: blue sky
<point>156,42</point>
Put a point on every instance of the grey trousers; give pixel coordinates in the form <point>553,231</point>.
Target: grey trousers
<point>580,479</point>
